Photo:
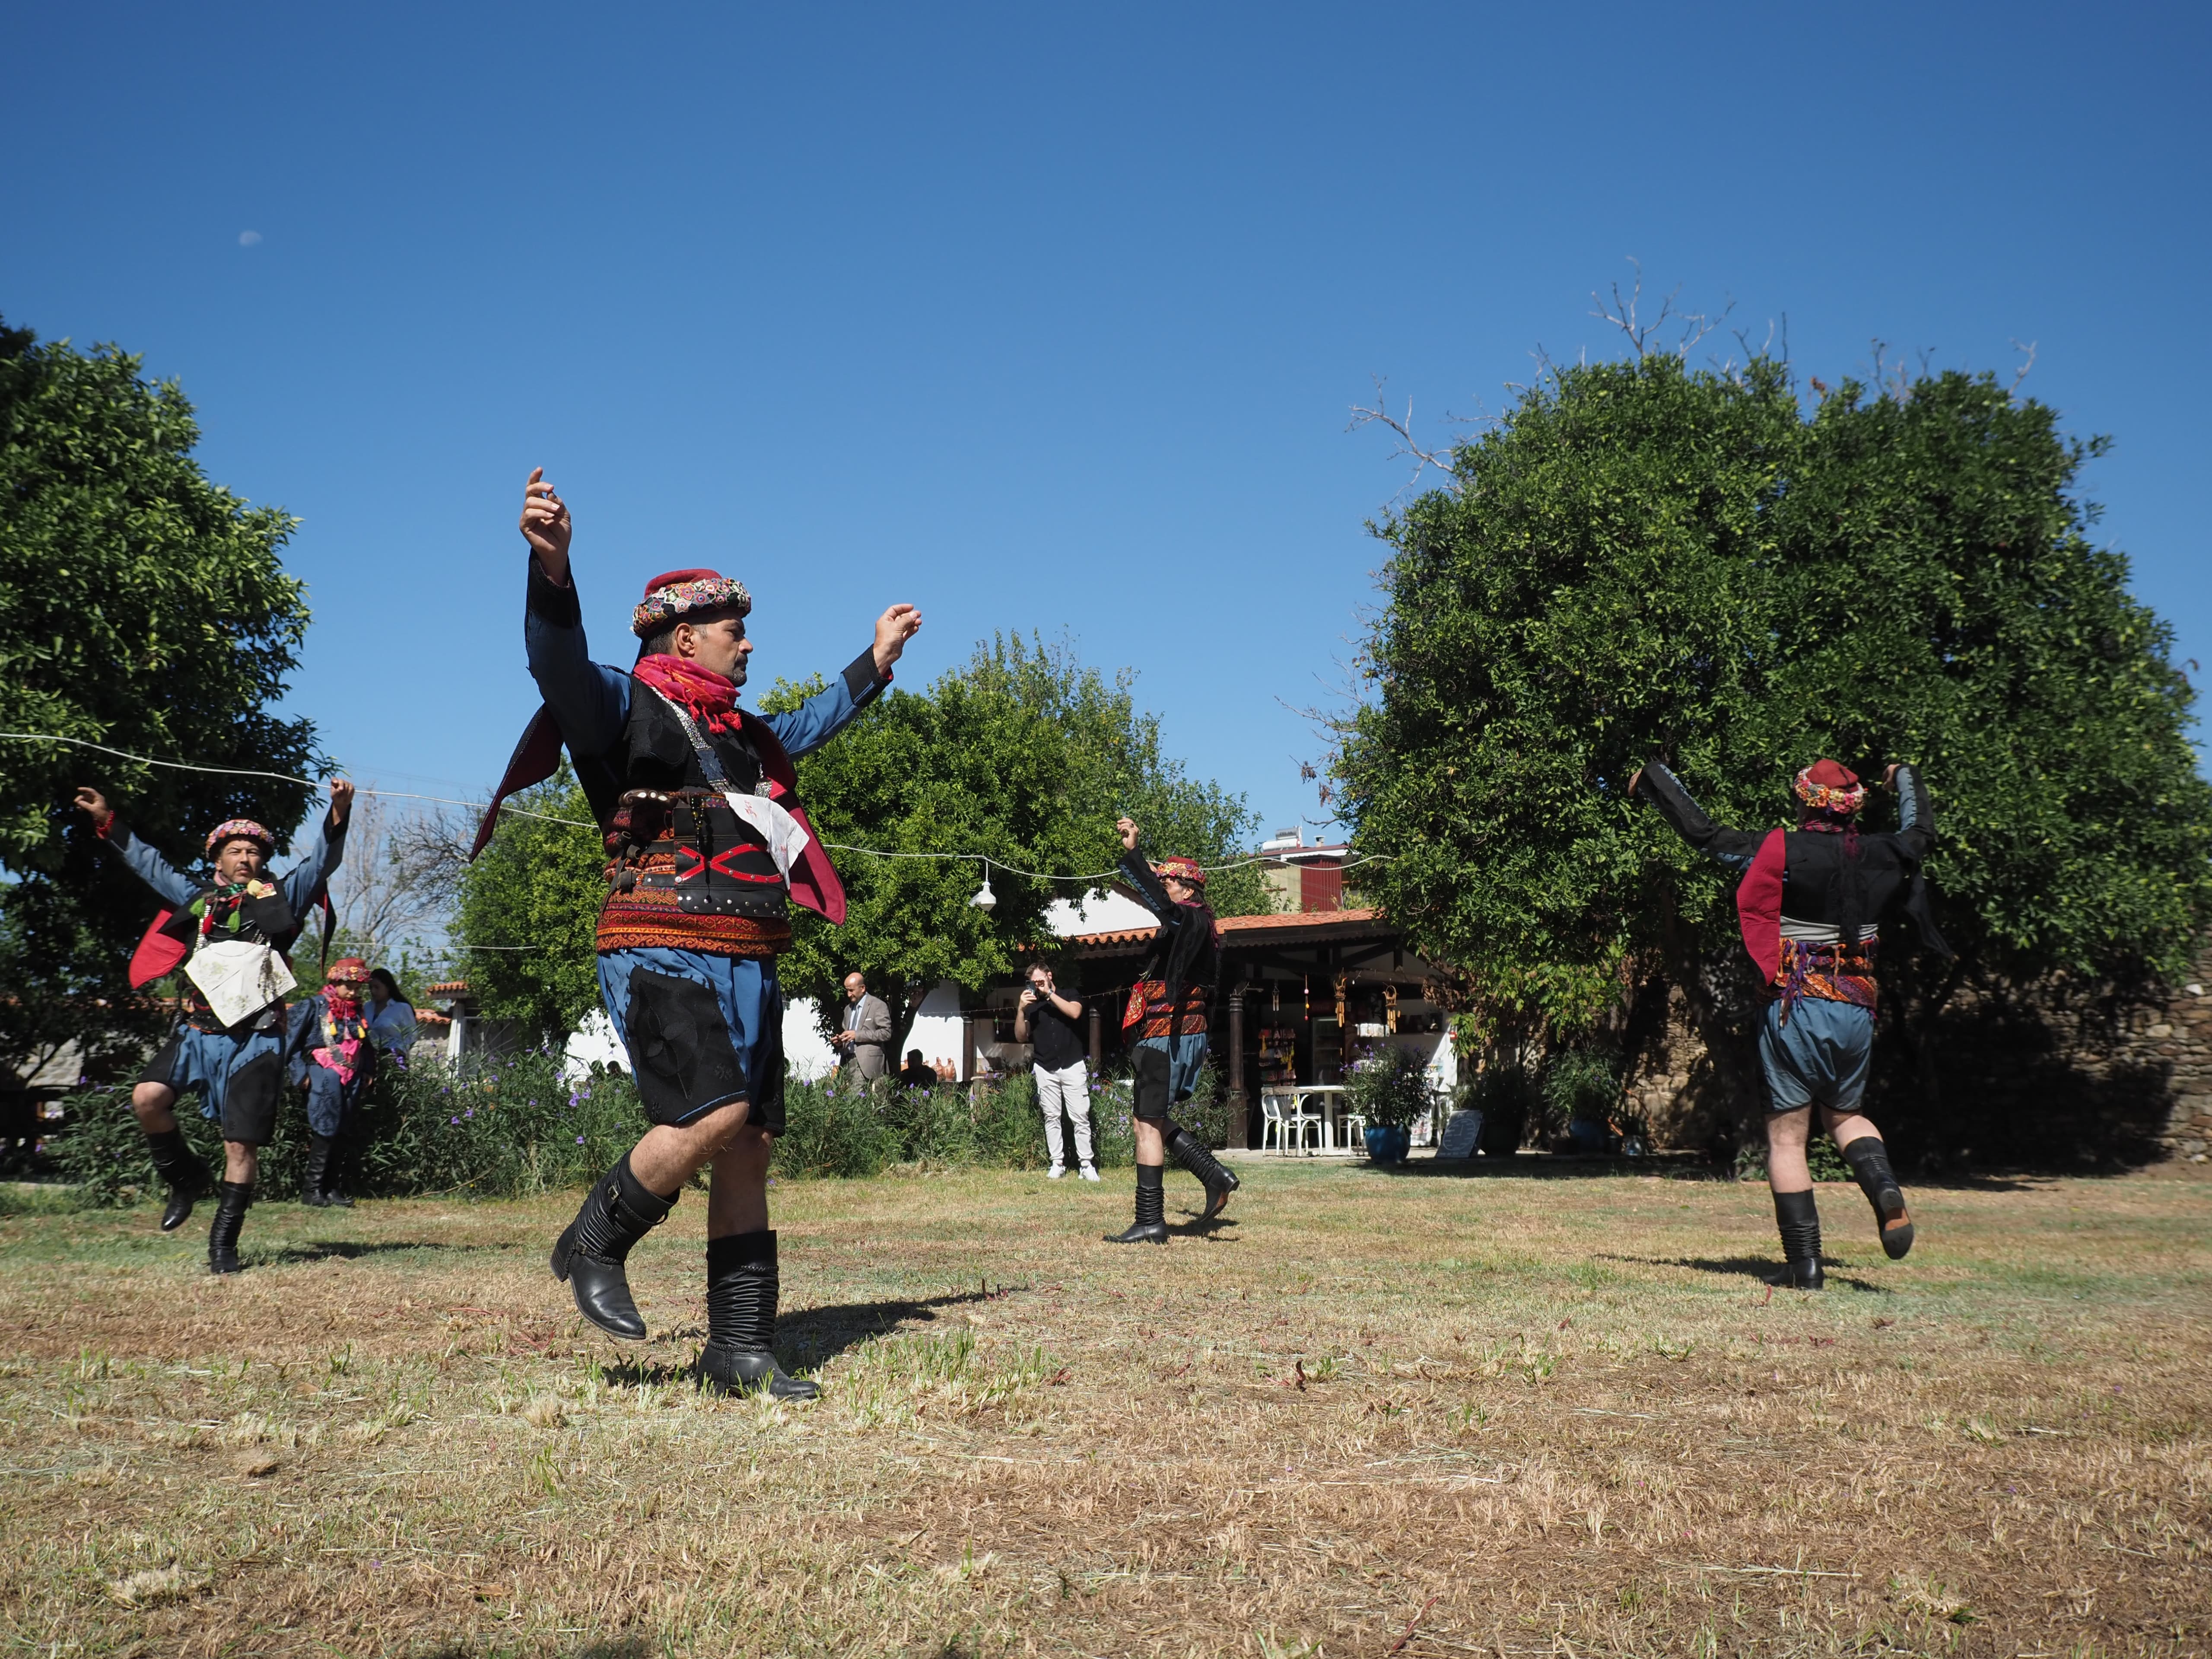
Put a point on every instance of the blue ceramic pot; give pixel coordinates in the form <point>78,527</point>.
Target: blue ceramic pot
<point>1387,1142</point>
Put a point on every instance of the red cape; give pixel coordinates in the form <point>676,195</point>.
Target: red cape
<point>1758,905</point>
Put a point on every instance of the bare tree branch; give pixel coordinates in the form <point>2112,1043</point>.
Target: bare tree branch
<point>1624,314</point>
<point>2021,373</point>
<point>1403,430</point>
<point>401,877</point>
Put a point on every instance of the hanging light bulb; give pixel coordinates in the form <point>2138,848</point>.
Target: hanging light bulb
<point>985,899</point>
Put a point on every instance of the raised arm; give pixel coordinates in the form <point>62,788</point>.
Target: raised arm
<point>823,714</point>
<point>1735,848</point>
<point>322,856</point>
<point>148,866</point>
<point>1916,812</point>
<point>589,702</point>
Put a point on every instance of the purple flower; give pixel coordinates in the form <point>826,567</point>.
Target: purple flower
<point>453,1121</point>
<point>580,1140</point>
<point>471,1113</point>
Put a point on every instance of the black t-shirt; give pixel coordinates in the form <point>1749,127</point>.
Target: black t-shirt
<point>1057,1044</point>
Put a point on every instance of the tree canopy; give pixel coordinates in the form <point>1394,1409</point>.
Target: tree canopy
<point>141,607</point>
<point>1023,754</point>
<point>529,911</point>
<point>1642,560</point>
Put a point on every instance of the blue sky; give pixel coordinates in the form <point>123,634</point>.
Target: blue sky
<point>1044,318</point>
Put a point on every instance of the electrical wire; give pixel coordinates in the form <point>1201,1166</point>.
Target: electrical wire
<point>988,862</point>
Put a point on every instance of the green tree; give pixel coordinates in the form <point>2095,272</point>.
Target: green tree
<point>1021,754</point>
<point>529,911</point>
<point>1641,559</point>
<point>141,607</point>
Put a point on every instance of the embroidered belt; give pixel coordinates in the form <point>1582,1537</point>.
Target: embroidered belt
<point>1827,974</point>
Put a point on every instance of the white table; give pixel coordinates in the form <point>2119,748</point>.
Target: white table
<point>1327,1096</point>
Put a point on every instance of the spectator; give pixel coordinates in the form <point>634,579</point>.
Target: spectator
<point>1047,1021</point>
<point>391,1015</point>
<point>867,1037</point>
<point>918,1073</point>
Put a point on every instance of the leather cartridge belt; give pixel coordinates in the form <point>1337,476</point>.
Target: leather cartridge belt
<point>684,849</point>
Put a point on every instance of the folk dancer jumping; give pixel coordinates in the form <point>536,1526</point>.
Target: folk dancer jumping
<point>1809,903</point>
<point>707,846</point>
<point>1166,1016</point>
<point>335,1053</point>
<point>230,932</point>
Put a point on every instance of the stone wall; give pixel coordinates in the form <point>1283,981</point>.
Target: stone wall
<point>2030,1082</point>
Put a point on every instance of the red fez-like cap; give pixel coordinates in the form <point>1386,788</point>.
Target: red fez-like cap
<point>669,578</point>
<point>1833,773</point>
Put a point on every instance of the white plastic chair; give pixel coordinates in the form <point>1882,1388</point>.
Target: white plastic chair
<point>1353,1126</point>
<point>1281,1124</point>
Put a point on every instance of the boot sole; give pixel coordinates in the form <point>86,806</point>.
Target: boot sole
<point>608,1331</point>
<point>1897,1241</point>
<point>1148,1238</point>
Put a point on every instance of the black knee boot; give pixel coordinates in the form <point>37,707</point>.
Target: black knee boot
<point>316,1171</point>
<point>1869,1161</point>
<point>1193,1154</point>
<point>345,1159</point>
<point>1799,1219</point>
<point>1151,1225</point>
<point>180,1168</point>
<point>229,1217</point>
<point>618,1212</point>
<point>739,1358</point>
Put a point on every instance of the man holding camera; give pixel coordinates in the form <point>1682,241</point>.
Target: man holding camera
<point>1048,1021</point>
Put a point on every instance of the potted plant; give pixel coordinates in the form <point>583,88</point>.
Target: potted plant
<point>1390,1089</point>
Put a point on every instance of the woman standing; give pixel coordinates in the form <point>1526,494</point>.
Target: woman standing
<point>391,1015</point>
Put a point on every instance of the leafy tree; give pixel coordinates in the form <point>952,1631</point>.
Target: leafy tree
<point>529,910</point>
<point>141,607</point>
<point>1641,559</point>
<point>1021,754</point>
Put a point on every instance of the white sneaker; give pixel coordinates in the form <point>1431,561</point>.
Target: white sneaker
<point>1055,1173</point>
<point>1089,1174</point>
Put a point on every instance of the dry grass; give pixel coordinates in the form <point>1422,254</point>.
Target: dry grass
<point>1410,1415</point>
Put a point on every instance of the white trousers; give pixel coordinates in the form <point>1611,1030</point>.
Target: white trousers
<point>1068,1088</point>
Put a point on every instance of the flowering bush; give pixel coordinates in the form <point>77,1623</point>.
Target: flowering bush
<point>498,1125</point>
<point>1389,1087</point>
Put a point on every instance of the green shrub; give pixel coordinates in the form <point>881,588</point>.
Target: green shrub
<point>1390,1087</point>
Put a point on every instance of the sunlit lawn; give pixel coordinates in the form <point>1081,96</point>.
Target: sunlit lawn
<point>1506,1413</point>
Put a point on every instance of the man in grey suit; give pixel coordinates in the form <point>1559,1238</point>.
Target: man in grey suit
<point>867,1037</point>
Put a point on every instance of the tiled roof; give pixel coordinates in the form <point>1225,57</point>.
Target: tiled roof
<point>447,988</point>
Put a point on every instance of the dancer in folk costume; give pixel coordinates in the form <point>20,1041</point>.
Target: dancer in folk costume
<point>335,1054</point>
<point>1166,1020</point>
<point>230,932</point>
<point>1809,904</point>
<point>707,844</point>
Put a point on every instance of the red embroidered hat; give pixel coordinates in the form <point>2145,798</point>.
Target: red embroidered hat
<point>675,595</point>
<point>1831,786</point>
<point>1183,869</point>
<point>348,971</point>
<point>241,829</point>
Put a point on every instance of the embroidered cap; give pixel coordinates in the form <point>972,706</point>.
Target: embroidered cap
<point>1181,870</point>
<point>1830,786</point>
<point>679,596</point>
<point>348,971</point>
<point>241,829</point>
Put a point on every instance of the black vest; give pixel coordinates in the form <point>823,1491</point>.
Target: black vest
<point>670,833</point>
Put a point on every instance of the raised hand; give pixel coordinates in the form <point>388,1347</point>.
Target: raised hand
<point>90,800</point>
<point>545,526</point>
<point>893,629</point>
<point>341,800</point>
<point>1127,828</point>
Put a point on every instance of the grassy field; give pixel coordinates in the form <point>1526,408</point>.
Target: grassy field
<point>1380,1414</point>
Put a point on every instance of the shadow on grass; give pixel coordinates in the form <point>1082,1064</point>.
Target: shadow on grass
<point>285,1255</point>
<point>806,1339</point>
<point>1765,1269</point>
<point>1549,1165</point>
